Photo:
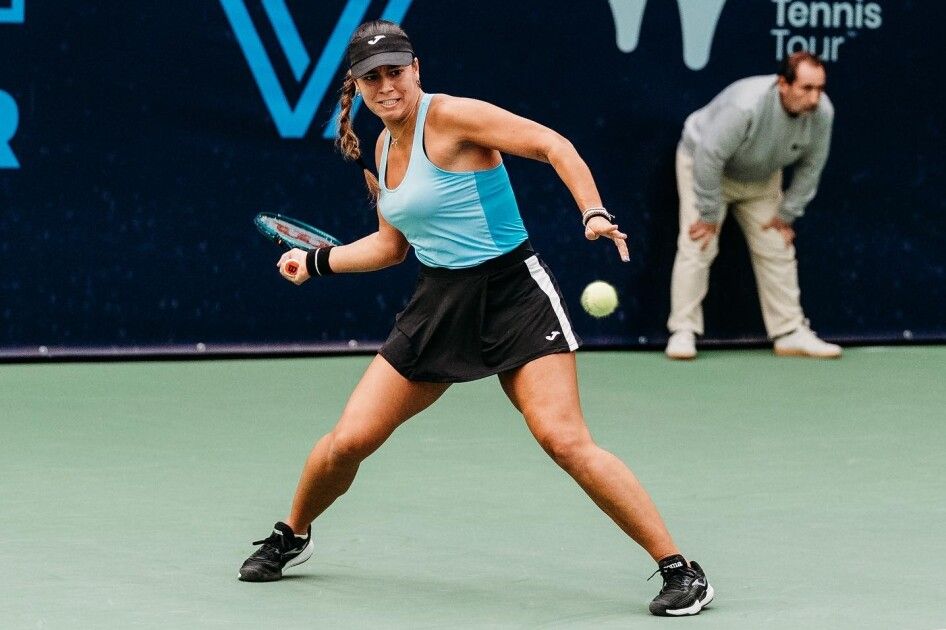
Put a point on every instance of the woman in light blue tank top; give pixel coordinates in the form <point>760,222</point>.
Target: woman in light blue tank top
<point>485,303</point>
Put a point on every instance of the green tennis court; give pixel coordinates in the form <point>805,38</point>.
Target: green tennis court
<point>812,492</point>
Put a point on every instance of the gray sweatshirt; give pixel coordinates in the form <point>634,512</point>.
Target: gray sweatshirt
<point>745,134</point>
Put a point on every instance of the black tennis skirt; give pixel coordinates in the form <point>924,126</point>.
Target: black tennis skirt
<point>464,324</point>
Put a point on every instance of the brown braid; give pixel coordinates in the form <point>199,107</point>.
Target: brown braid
<point>347,140</point>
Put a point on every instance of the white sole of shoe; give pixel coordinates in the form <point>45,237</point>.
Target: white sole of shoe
<point>302,557</point>
<point>680,356</point>
<point>791,352</point>
<point>698,606</point>
<point>710,594</point>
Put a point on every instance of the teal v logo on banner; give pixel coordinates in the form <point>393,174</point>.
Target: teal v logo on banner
<point>294,121</point>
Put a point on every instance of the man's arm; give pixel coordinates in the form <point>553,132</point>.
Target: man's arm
<point>807,172</point>
<point>720,140</point>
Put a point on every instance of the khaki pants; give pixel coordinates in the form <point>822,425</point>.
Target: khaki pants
<point>776,270</point>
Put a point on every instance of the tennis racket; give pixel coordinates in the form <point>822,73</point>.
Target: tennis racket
<point>292,233</point>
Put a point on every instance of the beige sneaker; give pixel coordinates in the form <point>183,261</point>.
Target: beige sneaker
<point>681,345</point>
<point>805,343</point>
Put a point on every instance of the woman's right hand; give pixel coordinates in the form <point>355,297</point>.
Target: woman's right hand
<point>292,267</point>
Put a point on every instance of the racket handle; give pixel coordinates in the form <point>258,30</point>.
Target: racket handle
<point>292,267</point>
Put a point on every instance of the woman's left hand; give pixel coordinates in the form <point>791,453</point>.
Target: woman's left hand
<point>599,226</point>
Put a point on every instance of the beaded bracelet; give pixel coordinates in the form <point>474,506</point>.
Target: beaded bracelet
<point>591,213</point>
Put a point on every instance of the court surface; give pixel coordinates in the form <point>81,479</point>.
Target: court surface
<point>812,492</point>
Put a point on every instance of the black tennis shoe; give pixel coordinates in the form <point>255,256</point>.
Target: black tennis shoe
<point>283,549</point>
<point>686,590</point>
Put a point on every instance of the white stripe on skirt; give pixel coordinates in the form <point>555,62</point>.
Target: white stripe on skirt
<point>542,278</point>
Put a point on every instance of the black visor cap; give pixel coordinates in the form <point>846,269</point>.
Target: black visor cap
<point>368,53</point>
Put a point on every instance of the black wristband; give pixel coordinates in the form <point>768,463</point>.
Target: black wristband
<point>321,261</point>
<point>310,263</point>
<point>316,261</point>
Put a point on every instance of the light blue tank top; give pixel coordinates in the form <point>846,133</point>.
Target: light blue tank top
<point>452,219</point>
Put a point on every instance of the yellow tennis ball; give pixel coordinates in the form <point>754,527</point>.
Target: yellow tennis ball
<point>599,299</point>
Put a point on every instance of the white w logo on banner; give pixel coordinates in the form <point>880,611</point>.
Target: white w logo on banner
<point>293,122</point>
<point>698,20</point>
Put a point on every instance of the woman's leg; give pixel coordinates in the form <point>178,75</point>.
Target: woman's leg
<point>546,392</point>
<point>382,400</point>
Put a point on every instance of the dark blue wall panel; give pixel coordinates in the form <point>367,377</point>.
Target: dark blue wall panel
<point>139,147</point>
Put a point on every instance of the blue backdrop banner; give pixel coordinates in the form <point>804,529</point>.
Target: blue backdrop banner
<point>138,140</point>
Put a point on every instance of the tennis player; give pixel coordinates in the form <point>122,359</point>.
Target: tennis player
<point>485,302</point>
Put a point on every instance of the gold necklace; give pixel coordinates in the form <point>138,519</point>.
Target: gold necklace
<point>394,140</point>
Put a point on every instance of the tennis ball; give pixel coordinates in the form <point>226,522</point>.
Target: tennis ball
<point>599,299</point>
